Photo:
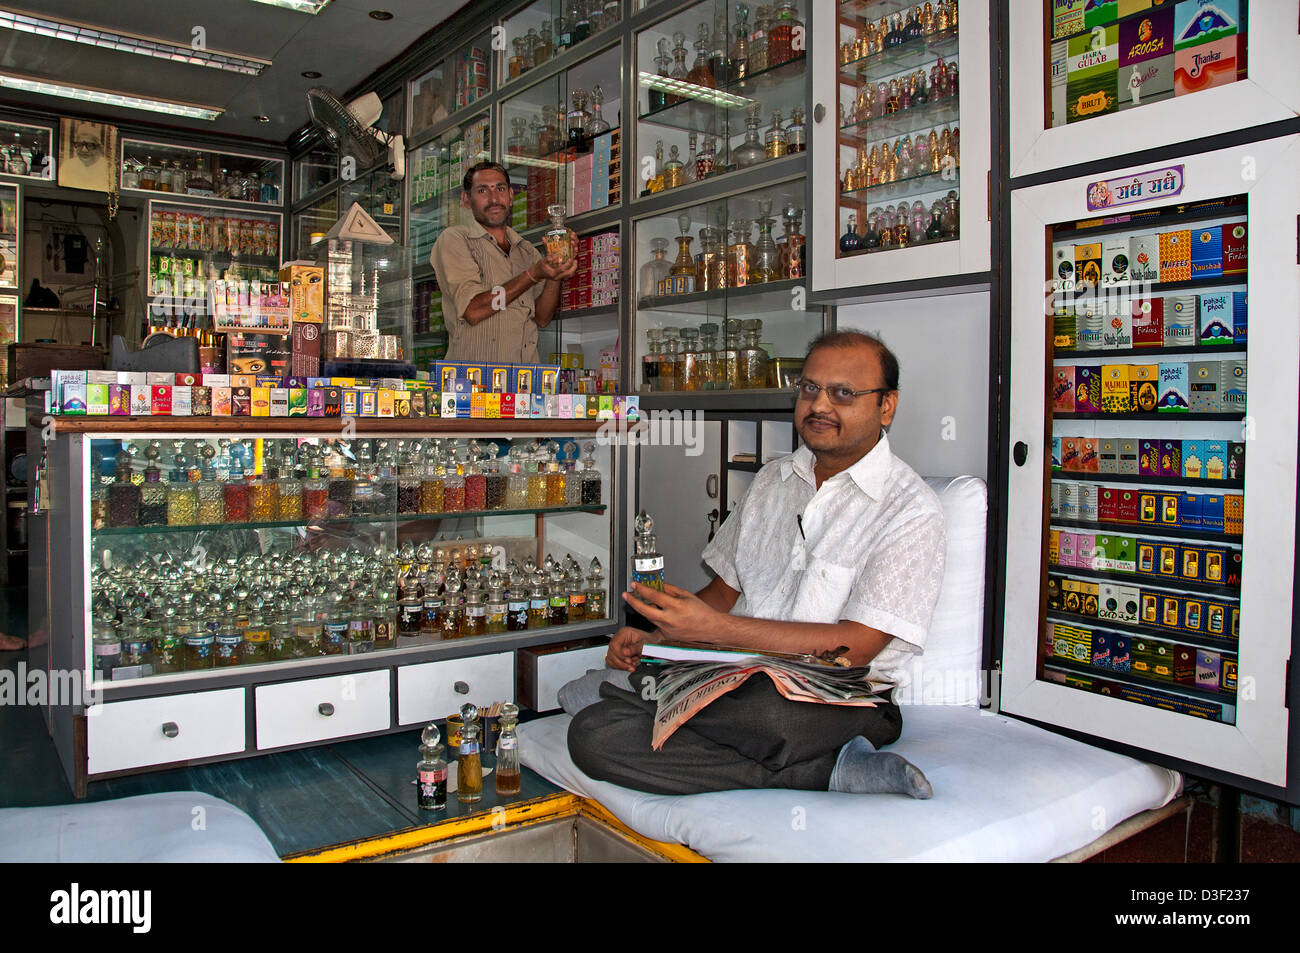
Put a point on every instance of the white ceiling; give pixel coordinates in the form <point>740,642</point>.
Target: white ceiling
<point>342,43</point>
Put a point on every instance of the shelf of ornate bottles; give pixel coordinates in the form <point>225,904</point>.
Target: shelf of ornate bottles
<point>926,183</point>
<point>703,109</point>
<point>903,122</point>
<point>910,55</point>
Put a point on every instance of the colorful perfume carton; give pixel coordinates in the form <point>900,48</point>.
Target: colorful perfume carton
<point>201,401</point>
<point>1216,459</point>
<point>507,405</point>
<point>1099,13</point>
<point>1208,670</point>
<point>1148,322</point>
<point>1056,453</point>
<point>1192,557</point>
<point>1216,614</point>
<point>1087,388</point>
<point>1087,322</point>
<point>1215,319</point>
<point>1180,320</point>
<point>222,402</point>
<point>1114,261</point>
<point>1207,252</point>
<point>1193,459</point>
<point>241,401</point>
<point>334,401</point>
<point>1087,263</point>
<point>349,402</point>
<point>1149,458</point>
<point>1088,451</point>
<point>1072,642</point>
<point>1144,258</point>
<point>1204,382</point>
<point>1175,255</point>
<point>1064,327</point>
<point>1197,68</point>
<point>1063,389</point>
<point>498,378</point>
<point>478,405</point>
<point>1067,17</point>
<point>1117,330</point>
<point>1239,324</point>
<point>1147,82</point>
<point>1234,248</point>
<point>1068,500</point>
<point>1146,37</point>
<point>1232,386</point>
<point>1063,278</point>
<point>297,406</point>
<point>1108,453</point>
<point>96,399</point>
<point>1197,22</point>
<point>564,406</point>
<point>119,399</point>
<point>1212,510</point>
<point>1236,462</point>
<point>1101,649</point>
<point>278,401</point>
<point>1167,505</point>
<point>384,403</point>
<point>1148,506</point>
<point>182,401</point>
<point>160,399</point>
<point>1171,458</point>
<point>1128,456</point>
<point>492,406</point>
<point>1128,505</point>
<point>1116,398</point>
<point>1169,559</point>
<point>1121,658</point>
<point>1234,508</point>
<point>259,402</point>
<point>1173,388</point>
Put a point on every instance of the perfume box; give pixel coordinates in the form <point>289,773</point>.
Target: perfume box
<point>384,403</point>
<point>201,401</point>
<point>1149,458</point>
<point>160,399</point>
<point>260,402</point>
<point>1239,323</point>
<point>1193,459</point>
<point>492,406</point>
<point>1128,456</point>
<point>1204,66</point>
<point>367,402</point>
<point>297,402</point>
<point>279,401</point>
<point>1203,385</point>
<point>1216,459</point>
<point>1088,450</point>
<point>1087,263</point>
<point>1180,320</point>
<point>1173,388</point>
<point>316,402</point>
<point>1232,386</point>
<point>1236,461</point>
<point>1171,458</point>
<point>1067,17</point>
<point>478,405</point>
<point>1189,510</point>
<point>1063,268</point>
<point>96,399</point>
<point>1087,389</point>
<point>1146,37</point>
<point>1168,507</point>
<point>564,406</point>
<point>184,378</point>
<point>119,399</point>
<point>1234,248</point>
<point>1063,389</point>
<point>1146,82</point>
<point>1175,255</point>
<point>1114,261</point>
<point>1117,330</point>
<point>1116,394</point>
<point>182,401</point>
<point>1207,252</point>
<point>1147,323</point>
<point>1144,258</point>
<point>1124,554</point>
<point>1108,455</point>
<point>222,401</point>
<point>1215,325</point>
<point>241,401</point>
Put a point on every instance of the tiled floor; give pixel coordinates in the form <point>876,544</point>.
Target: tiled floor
<point>333,794</point>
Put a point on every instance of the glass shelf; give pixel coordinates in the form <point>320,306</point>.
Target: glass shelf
<point>928,182</point>
<point>229,176</point>
<point>909,56</point>
<point>381,518</point>
<point>24,149</point>
<point>942,112</point>
<point>704,110</point>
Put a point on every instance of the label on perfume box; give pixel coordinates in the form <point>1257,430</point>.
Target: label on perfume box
<point>1203,379</point>
<point>1147,82</point>
<point>1232,386</point>
<point>1147,322</point>
<point>1144,258</point>
<point>1198,68</point>
<point>1146,37</point>
<point>1180,320</point>
<point>1207,252</point>
<point>1087,389</point>
<point>1215,318</point>
<point>1116,394</point>
<point>1173,388</point>
<point>1144,387</point>
<point>1176,255</point>
<point>1117,331</point>
<point>1234,248</point>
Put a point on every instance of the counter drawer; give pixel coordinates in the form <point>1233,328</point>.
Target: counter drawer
<point>148,731</point>
<point>429,692</point>
<point>544,670</point>
<point>316,709</point>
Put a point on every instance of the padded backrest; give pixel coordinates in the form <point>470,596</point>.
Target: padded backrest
<point>948,672</point>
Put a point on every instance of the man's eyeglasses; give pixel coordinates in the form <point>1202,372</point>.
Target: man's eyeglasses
<point>838,394</point>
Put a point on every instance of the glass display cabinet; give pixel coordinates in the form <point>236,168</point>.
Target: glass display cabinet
<point>456,83</point>
<point>903,145</point>
<point>26,150</point>
<point>548,29</point>
<point>720,87</point>
<point>10,229</point>
<point>190,246</point>
<point>312,222</point>
<point>719,301</point>
<point>278,562</point>
<point>316,170</point>
<point>434,172</point>
<point>1094,80</point>
<point>201,173</point>
<point>1148,598</point>
<point>562,141</point>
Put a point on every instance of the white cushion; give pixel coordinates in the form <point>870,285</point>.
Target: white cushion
<point>948,672</point>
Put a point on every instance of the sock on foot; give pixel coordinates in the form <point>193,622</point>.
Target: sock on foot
<point>861,769</point>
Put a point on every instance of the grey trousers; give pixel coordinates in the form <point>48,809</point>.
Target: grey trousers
<point>751,737</point>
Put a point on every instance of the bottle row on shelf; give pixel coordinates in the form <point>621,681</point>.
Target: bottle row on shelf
<point>716,155</point>
<point>903,226</point>
<point>898,31</point>
<point>220,484</point>
<point>693,359</point>
<point>162,176</point>
<point>1167,509</point>
<point>585,18</point>
<point>776,38</point>
<point>719,264</point>
<point>155,615</point>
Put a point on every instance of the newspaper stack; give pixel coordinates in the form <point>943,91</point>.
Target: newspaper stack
<point>688,681</point>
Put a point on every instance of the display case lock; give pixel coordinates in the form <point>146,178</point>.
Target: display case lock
<point>170,729</point>
<point>461,688</point>
<point>325,708</point>
<point>819,112</point>
<point>1020,452</point>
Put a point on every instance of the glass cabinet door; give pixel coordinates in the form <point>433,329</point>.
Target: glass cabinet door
<point>456,83</point>
<point>718,307</point>
<point>314,171</point>
<point>312,222</point>
<point>1148,597</point>
<point>902,158</point>
<point>540,32</point>
<point>434,174</point>
<point>210,554</point>
<point>1097,80</point>
<point>26,150</point>
<point>720,88</point>
<point>159,167</point>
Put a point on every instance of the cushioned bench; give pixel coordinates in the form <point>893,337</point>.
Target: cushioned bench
<point>1004,790</point>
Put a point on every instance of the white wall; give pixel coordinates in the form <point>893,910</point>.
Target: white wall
<point>942,344</point>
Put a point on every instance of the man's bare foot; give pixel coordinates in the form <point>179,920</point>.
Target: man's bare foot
<point>9,643</point>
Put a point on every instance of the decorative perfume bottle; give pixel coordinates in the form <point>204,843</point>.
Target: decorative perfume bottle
<point>658,96</point>
<point>740,46</point>
<point>509,775</point>
<point>595,590</point>
<point>701,74</point>
<point>559,238</point>
<point>750,152</point>
<point>851,241</point>
<point>647,563</point>
<point>654,271</point>
<point>469,763</point>
<point>431,772</point>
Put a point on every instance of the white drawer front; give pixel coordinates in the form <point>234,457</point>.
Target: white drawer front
<point>554,670</point>
<point>294,713</point>
<point>428,692</point>
<point>130,734</point>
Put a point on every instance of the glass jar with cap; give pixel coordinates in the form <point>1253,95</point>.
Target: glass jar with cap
<point>692,359</point>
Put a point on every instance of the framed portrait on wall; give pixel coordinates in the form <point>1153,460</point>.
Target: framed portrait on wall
<point>87,153</point>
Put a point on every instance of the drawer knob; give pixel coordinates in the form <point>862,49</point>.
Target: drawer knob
<point>170,729</point>
<point>325,708</point>
<point>461,688</point>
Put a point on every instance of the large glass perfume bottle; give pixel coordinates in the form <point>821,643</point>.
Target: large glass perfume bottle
<point>701,74</point>
<point>706,271</point>
<point>655,270</point>
<point>647,562</point>
<point>753,359</point>
<point>597,125</point>
<point>751,151</point>
<point>650,362</point>
<point>795,133</point>
<point>691,360</point>
<point>740,45</point>
<point>431,772</point>
<point>591,481</point>
<point>469,764</point>
<point>851,241</point>
<point>758,40</point>
<point>739,254</point>
<point>706,158</point>
<point>678,72</point>
<point>577,119</point>
<point>794,246</point>
<point>774,142</point>
<point>658,96</point>
<point>767,257</point>
<point>684,264</point>
<point>558,239</point>
<point>674,170</point>
<point>509,775</point>
<point>595,591</point>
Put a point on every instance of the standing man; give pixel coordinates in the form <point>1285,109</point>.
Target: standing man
<point>838,544</point>
<point>497,289</point>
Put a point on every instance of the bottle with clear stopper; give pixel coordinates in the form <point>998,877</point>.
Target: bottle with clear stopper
<point>469,763</point>
<point>431,772</point>
<point>647,562</point>
<point>509,775</point>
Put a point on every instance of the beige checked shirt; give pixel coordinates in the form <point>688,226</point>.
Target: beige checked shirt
<point>468,261</point>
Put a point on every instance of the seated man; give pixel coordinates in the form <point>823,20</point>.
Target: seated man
<point>838,544</point>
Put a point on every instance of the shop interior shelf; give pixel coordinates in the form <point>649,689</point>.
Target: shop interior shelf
<point>778,88</point>
<point>941,112</point>
<point>769,296</point>
<point>1201,640</point>
<point>912,244</point>
<point>1133,578</point>
<point>909,56</point>
<point>1208,351</point>
<point>927,183</point>
<point>874,9</point>
<point>1150,289</point>
<point>1060,415</point>
<point>1150,529</point>
<point>1128,678</point>
<point>1139,221</point>
<point>1127,478</point>
<point>345,520</point>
